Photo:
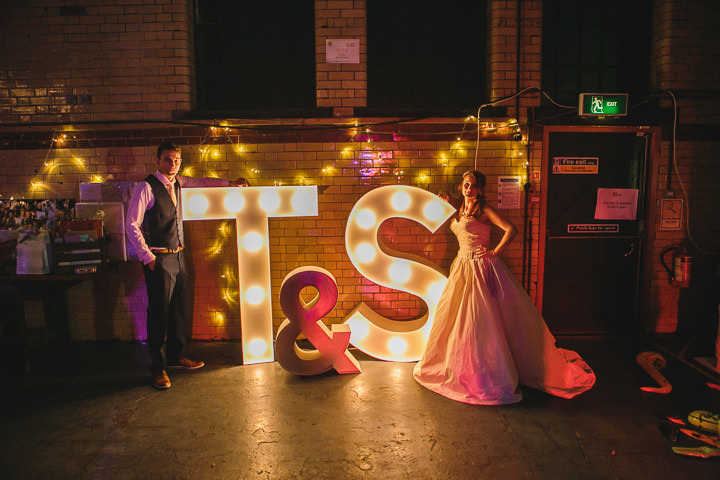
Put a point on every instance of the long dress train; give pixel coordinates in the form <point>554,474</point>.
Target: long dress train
<point>488,337</point>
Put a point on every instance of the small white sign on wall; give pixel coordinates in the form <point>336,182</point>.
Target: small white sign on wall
<point>671,214</point>
<point>342,50</point>
<point>616,204</point>
<point>508,192</point>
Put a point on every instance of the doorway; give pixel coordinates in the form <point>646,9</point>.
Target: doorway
<point>594,188</point>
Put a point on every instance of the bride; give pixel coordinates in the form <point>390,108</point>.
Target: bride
<point>487,337</point>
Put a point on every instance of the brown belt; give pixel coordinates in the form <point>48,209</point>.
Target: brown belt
<point>166,250</point>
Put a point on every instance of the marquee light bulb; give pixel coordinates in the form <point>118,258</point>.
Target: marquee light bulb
<point>435,291</point>
<point>252,242</point>
<point>397,345</point>
<point>302,200</point>
<point>400,272</point>
<point>359,329</point>
<point>365,218</point>
<point>365,253</point>
<point>234,202</point>
<point>198,204</point>
<point>255,294</point>
<point>400,201</point>
<point>433,211</point>
<point>269,201</point>
<point>257,347</point>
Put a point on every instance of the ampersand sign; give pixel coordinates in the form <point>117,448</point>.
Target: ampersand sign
<point>306,317</point>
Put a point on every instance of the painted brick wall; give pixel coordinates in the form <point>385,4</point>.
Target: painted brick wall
<point>76,61</point>
<point>113,306</point>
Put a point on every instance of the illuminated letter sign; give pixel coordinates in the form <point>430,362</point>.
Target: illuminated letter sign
<point>370,332</point>
<point>251,207</point>
<point>306,317</point>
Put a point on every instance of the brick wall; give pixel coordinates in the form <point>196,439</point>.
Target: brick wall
<point>113,306</point>
<point>74,61</point>
<point>341,86</point>
<point>686,61</point>
<point>514,53</point>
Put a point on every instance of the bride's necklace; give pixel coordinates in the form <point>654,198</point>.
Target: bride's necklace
<point>466,211</point>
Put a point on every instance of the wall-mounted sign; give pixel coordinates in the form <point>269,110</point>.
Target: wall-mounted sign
<point>616,204</point>
<point>603,104</point>
<point>593,228</point>
<point>671,214</point>
<point>342,50</point>
<point>575,165</point>
<point>508,195</point>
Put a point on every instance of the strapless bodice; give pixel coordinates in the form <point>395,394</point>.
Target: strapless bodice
<point>471,233</point>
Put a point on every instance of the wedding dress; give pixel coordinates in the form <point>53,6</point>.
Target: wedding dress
<point>488,338</point>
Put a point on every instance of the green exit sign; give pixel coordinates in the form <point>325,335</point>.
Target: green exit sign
<point>603,104</point>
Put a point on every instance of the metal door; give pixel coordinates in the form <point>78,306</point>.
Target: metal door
<point>593,231</point>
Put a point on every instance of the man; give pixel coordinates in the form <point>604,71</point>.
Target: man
<point>154,228</point>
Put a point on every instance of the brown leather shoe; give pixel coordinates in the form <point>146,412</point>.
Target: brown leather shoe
<point>161,380</point>
<point>186,364</point>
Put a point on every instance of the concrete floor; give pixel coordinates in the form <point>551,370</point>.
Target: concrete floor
<point>87,411</point>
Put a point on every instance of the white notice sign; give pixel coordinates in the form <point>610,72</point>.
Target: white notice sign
<point>508,192</point>
<point>342,50</point>
<point>616,204</point>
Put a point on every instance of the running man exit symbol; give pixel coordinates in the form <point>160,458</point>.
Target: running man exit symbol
<point>597,105</point>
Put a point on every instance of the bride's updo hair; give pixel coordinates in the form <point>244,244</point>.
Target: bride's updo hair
<point>477,206</point>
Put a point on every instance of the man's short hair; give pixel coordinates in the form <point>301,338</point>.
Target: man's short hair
<point>167,145</point>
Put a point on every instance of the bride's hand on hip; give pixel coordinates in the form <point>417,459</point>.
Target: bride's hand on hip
<point>484,252</point>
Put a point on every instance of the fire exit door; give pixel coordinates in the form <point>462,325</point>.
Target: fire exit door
<point>594,184</point>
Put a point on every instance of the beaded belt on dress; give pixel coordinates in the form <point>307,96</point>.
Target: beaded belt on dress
<point>166,250</point>
<point>469,255</point>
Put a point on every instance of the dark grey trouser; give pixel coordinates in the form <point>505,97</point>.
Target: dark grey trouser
<point>167,315</point>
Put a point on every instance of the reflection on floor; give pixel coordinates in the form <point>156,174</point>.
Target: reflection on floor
<point>87,410</point>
